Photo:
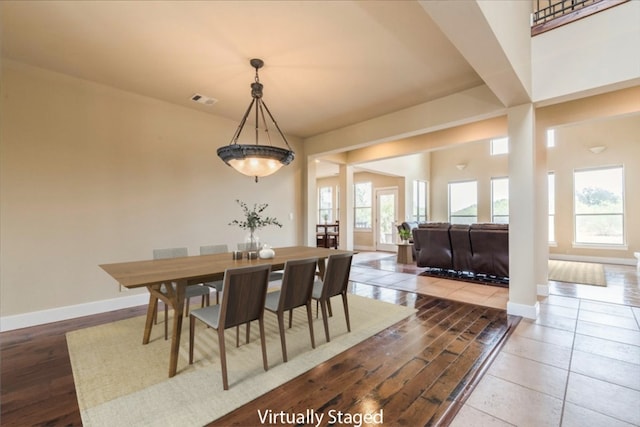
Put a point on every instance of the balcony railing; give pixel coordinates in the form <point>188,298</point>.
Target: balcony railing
<point>549,14</point>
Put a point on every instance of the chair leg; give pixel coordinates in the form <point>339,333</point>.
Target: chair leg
<point>323,306</point>
<point>223,359</point>
<point>310,319</point>
<point>329,306</point>
<point>263,341</point>
<point>192,332</point>
<point>290,318</point>
<point>248,331</point>
<point>186,303</point>
<point>282,340</point>
<point>346,310</point>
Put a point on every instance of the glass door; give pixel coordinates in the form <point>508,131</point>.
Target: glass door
<point>386,214</point>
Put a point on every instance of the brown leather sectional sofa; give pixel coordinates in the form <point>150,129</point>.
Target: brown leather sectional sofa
<point>472,250</point>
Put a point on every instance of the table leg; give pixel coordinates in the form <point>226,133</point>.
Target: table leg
<point>151,311</point>
<point>174,297</point>
<point>178,312</point>
<point>321,268</point>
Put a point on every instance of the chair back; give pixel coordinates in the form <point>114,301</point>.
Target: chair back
<point>336,276</point>
<point>170,253</point>
<point>245,290</point>
<point>297,283</point>
<point>213,249</point>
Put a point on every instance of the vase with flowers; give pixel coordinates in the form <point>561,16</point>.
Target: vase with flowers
<point>254,219</point>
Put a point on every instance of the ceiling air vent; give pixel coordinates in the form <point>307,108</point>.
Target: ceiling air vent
<point>201,99</point>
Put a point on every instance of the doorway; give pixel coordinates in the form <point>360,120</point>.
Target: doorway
<point>385,218</point>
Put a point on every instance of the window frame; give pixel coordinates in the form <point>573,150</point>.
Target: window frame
<point>357,207</point>
<point>417,192</point>
<point>449,187</point>
<point>551,185</point>
<point>591,244</point>
<point>493,201</point>
<point>493,146</point>
<point>322,210</point>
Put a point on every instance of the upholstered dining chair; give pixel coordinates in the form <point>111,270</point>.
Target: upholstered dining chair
<point>190,292</point>
<point>245,291</point>
<point>334,282</point>
<point>297,285</point>
<point>209,250</point>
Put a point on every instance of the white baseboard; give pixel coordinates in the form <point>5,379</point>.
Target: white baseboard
<point>25,320</point>
<point>526,311</point>
<point>598,259</point>
<point>543,290</point>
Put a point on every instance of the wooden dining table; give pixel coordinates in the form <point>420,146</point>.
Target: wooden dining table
<point>184,271</point>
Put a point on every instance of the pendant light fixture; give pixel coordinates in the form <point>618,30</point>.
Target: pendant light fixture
<point>254,159</point>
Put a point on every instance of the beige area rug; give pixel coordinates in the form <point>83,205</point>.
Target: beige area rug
<point>120,382</point>
<point>586,273</point>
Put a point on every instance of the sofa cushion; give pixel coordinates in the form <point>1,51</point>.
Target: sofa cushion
<point>433,246</point>
<point>490,248</point>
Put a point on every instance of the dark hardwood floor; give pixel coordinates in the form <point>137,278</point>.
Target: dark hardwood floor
<point>36,382</point>
<point>418,371</point>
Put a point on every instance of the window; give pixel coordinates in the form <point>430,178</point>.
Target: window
<point>463,202</point>
<point>420,201</point>
<point>551,178</point>
<point>500,200</point>
<point>599,206</point>
<point>499,146</point>
<point>325,204</point>
<point>362,205</point>
<point>551,138</point>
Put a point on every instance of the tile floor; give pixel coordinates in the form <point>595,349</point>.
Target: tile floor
<point>578,364</point>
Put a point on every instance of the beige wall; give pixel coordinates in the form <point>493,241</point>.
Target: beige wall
<point>620,135</point>
<point>480,166</point>
<point>92,175</point>
<point>366,239</point>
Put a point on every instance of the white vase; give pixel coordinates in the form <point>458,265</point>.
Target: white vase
<point>267,252</point>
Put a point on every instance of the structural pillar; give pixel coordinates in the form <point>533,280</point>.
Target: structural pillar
<point>346,207</point>
<point>523,211</point>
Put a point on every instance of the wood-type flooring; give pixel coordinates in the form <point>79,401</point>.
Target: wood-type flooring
<point>418,372</point>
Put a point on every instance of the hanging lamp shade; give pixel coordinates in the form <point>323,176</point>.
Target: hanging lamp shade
<point>257,160</point>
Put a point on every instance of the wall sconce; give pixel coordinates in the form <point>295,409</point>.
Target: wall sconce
<point>461,166</point>
<point>597,149</point>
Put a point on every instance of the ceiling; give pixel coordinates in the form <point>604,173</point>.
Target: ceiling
<point>328,64</point>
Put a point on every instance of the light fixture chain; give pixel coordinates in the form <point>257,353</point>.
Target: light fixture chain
<point>284,138</point>
<point>264,121</point>
<point>236,135</point>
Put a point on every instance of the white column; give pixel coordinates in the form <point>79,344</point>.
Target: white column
<point>309,237</point>
<point>523,197</point>
<point>346,207</point>
<point>541,249</point>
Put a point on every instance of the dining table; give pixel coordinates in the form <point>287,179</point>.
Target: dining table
<point>189,270</point>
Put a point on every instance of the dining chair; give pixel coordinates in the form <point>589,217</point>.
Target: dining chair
<point>209,250</point>
<point>245,291</point>
<point>190,292</point>
<point>297,285</point>
<point>334,282</point>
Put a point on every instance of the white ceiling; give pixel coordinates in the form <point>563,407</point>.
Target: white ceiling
<point>328,64</point>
